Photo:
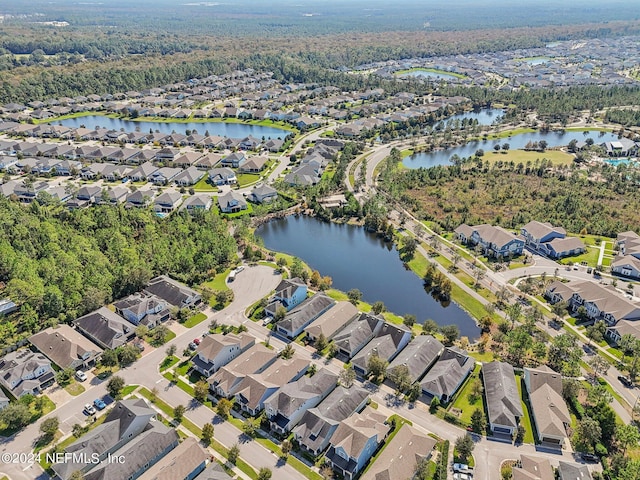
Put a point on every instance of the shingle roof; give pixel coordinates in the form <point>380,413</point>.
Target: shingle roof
<point>305,312</point>
<point>538,229</point>
<point>573,471</point>
<point>171,291</point>
<point>418,356</point>
<point>448,372</point>
<point>254,360</point>
<point>385,345</point>
<point>503,400</point>
<point>332,320</point>
<point>63,345</point>
<point>106,327</point>
<point>357,333</point>
<point>533,468</point>
<point>179,463</point>
<point>291,396</point>
<point>354,431</point>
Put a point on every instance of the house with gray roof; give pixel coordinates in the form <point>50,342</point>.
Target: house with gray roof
<point>127,420</point>
<point>227,379</point>
<point>143,172</point>
<point>418,356</point>
<point>386,344</point>
<point>25,372</point>
<point>331,321</point>
<point>503,400</point>
<point>262,193</point>
<point>189,176</point>
<point>289,293</point>
<point>357,333</point>
<point>234,160</point>
<point>167,202</point>
<point>533,468</point>
<point>401,455</point>
<point>254,389</point>
<point>448,374</point>
<point>198,202</point>
<point>217,350</point>
<point>222,176</point>
<point>186,461</point>
<point>318,424</point>
<point>142,309</point>
<point>66,347</point>
<point>573,471</point>
<point>106,328</point>
<point>173,292</point>
<point>214,471</point>
<point>494,241</point>
<point>303,314</point>
<point>536,233</point>
<point>286,407</point>
<point>548,409</point>
<point>164,175</point>
<point>232,202</point>
<point>355,441</point>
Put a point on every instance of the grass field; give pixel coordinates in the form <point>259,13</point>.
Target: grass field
<point>219,282</point>
<point>462,401</point>
<point>590,256</point>
<point>168,362</point>
<point>195,320</point>
<point>75,389</point>
<point>204,186</point>
<point>521,156</point>
<point>525,421</point>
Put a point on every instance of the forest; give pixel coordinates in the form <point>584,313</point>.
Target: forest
<point>60,264</point>
<point>601,200</point>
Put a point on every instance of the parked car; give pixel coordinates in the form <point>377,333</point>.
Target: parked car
<point>99,404</point>
<point>196,341</point>
<point>462,476</point>
<point>81,376</point>
<point>192,346</point>
<point>625,381</point>
<point>139,346</point>
<point>89,410</point>
<point>589,457</point>
<point>239,268</point>
<point>461,467</point>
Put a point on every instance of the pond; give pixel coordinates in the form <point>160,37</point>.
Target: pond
<point>553,139</point>
<point>421,72</point>
<point>354,258</point>
<point>485,116</point>
<point>222,129</point>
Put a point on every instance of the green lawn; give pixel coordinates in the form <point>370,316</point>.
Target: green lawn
<point>219,282</point>
<point>204,186</point>
<point>195,320</point>
<point>462,402</point>
<point>525,421</point>
<point>590,256</point>
<point>128,390</point>
<point>75,389</point>
<point>245,179</point>
<point>168,362</point>
<point>180,383</point>
<point>521,156</point>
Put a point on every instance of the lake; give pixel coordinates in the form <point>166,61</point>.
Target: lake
<point>418,72</point>
<point>354,258</point>
<point>485,116</point>
<point>222,129</point>
<point>553,139</point>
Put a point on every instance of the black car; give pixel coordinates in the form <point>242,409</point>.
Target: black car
<point>625,381</point>
<point>589,457</point>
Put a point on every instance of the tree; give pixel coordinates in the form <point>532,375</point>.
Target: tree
<point>127,354</point>
<point>401,377</point>
<point>49,427</point>
<point>378,307</point>
<point>600,365</point>
<point>115,386</point>
<point>514,312</point>
<point>287,352</point>
<point>15,416</point>
<point>505,147</point>
<point>409,320</point>
<point>250,428</point>
<point>264,473</point>
<point>201,390</point>
<point>159,335</point>
<point>627,436</point>
<point>435,403</point>
<point>234,453</point>
<point>497,147</point>
<point>520,433</point>
<point>321,342</point>
<point>78,430</point>
<point>141,331</point>
<point>223,408</point>
<point>354,296</point>
<point>63,377</point>
<point>409,248</point>
<point>464,447</point>
<point>347,376</point>
<point>207,433</point>
<point>588,433</point>
<point>450,333</point>
<point>430,327</point>
<point>478,422</point>
<point>286,448</point>
<point>109,358</point>
<point>281,312</point>
<point>326,472</point>
<point>377,367</point>
<point>178,412</point>
<point>476,391</point>
<point>170,351</point>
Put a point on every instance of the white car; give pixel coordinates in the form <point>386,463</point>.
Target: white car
<point>81,376</point>
<point>462,476</point>
<point>89,410</point>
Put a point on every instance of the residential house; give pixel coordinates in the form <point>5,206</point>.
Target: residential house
<point>167,202</point>
<point>25,372</point>
<point>533,468</point>
<point>199,201</point>
<point>355,441</point>
<point>188,177</point>
<point>222,176</point>
<point>628,243</point>
<point>214,471</point>
<point>255,360</point>
<point>234,160</point>
<point>141,309</point>
<point>565,247</point>
<point>254,165</point>
<point>304,176</point>
<point>173,292</point>
<point>164,175</point>
<point>114,195</point>
<point>318,424</point>
<point>448,374</point>
<point>289,294</point>
<point>124,423</point>
<point>232,202</point>
<point>185,462</point>
<point>357,333</point>
<point>386,344</point>
<point>286,407</point>
<point>143,172</point>
<point>249,143</point>
<point>208,161</point>
<point>494,241</point>
<point>536,233</point>
<point>4,401</point>
<point>114,173</point>
<point>303,314</point>
<point>626,266</point>
<point>573,471</point>
<point>106,328</point>
<point>85,196</point>
<point>66,347</point>
<point>549,413</point>
<point>167,154</point>
<point>217,350</point>
<point>503,400</point>
<point>262,193</point>
<point>187,159</point>
<point>254,389</point>
<point>330,322</point>
<point>274,145</point>
<point>401,455</point>
<point>139,198</point>
<point>419,356</point>
<point>7,306</point>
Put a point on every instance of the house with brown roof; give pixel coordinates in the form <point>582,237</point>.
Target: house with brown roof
<point>331,321</point>
<point>548,409</point>
<point>254,165</point>
<point>66,347</point>
<point>217,350</point>
<point>185,461</point>
<point>355,441</point>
